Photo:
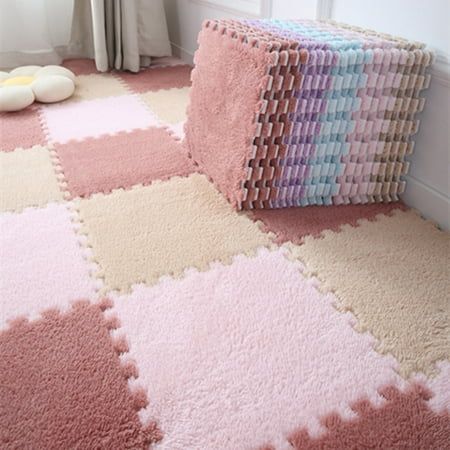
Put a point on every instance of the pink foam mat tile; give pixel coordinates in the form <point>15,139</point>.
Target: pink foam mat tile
<point>258,350</point>
<point>63,385</point>
<point>121,161</point>
<point>80,66</point>
<point>93,118</point>
<point>293,224</point>
<point>43,265</point>
<point>21,129</point>
<point>166,61</point>
<point>404,421</point>
<point>155,78</point>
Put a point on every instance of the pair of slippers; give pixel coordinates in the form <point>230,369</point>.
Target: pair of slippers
<point>24,85</point>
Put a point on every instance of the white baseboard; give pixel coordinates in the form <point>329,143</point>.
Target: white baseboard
<point>182,53</point>
<point>430,202</point>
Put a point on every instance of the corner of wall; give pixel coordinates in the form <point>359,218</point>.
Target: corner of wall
<point>431,203</point>
<point>182,53</point>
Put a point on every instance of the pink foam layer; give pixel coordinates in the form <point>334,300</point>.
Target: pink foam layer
<point>293,224</point>
<point>20,129</point>
<point>222,146</point>
<point>121,161</point>
<point>404,422</point>
<point>80,66</point>
<point>63,386</point>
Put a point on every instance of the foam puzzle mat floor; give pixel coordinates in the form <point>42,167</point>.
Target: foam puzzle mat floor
<point>140,310</point>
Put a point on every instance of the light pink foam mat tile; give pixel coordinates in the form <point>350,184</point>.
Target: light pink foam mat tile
<point>141,156</point>
<point>42,263</point>
<point>93,118</point>
<point>242,355</point>
<point>155,78</point>
<point>21,129</point>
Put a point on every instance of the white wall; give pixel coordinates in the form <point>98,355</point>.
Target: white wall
<point>304,9</point>
<point>423,20</point>
<point>184,20</point>
<point>428,187</point>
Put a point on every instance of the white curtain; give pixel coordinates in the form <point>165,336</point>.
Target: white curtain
<point>119,34</point>
<point>34,31</point>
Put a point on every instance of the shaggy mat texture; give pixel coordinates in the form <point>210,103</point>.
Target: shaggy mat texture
<point>139,310</point>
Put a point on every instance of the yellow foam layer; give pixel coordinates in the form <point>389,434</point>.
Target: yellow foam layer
<point>18,81</point>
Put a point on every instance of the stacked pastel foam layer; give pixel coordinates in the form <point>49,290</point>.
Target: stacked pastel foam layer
<point>334,117</point>
<point>322,117</point>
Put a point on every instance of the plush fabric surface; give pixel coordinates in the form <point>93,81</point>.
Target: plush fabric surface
<point>79,120</point>
<point>168,104</point>
<point>166,228</point>
<point>332,108</point>
<point>33,244</point>
<point>97,86</point>
<point>28,179</point>
<point>91,167</point>
<point>239,341</point>
<point>80,394</point>
<point>21,129</point>
<point>385,283</point>
<point>293,224</point>
<point>139,309</point>
<point>220,64</point>
<point>390,426</point>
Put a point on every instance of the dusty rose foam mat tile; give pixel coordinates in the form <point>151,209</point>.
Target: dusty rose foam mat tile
<point>21,129</point>
<point>420,426</point>
<point>121,161</point>
<point>80,66</point>
<point>309,328</point>
<point>293,224</point>
<point>63,385</point>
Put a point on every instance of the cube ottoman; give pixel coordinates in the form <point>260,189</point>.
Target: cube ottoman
<point>294,112</point>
